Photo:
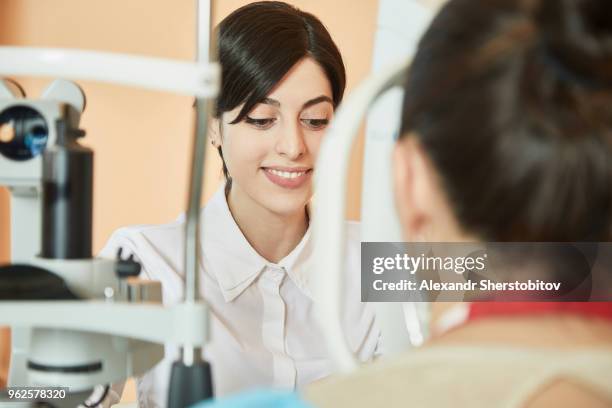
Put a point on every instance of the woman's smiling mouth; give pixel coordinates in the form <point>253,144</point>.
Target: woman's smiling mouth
<point>288,177</point>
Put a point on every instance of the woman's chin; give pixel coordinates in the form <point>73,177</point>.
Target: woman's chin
<point>285,208</point>
<point>286,203</point>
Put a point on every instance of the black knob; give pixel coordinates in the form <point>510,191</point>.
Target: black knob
<point>126,268</point>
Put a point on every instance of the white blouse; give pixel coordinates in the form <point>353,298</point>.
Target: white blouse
<point>263,330</point>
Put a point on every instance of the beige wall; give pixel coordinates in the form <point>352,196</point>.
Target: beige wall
<point>142,138</point>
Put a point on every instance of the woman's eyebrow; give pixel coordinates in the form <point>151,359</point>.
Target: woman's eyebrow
<point>314,101</point>
<point>317,100</point>
<point>270,101</point>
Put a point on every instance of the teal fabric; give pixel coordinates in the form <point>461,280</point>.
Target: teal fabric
<point>258,399</point>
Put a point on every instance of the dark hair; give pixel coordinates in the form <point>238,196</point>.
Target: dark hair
<point>512,101</point>
<point>258,45</point>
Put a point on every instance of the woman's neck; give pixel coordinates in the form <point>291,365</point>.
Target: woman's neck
<point>272,235</point>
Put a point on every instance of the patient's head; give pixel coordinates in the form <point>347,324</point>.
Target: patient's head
<point>507,124</point>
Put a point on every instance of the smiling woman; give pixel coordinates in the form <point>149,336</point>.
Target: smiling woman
<point>275,103</point>
<point>270,154</point>
<point>282,78</point>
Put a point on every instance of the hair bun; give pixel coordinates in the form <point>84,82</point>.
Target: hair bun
<point>577,39</point>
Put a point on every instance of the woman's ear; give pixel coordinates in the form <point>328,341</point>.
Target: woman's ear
<point>423,206</point>
<point>410,182</point>
<point>215,132</point>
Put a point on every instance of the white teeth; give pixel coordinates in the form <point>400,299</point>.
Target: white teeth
<point>286,174</point>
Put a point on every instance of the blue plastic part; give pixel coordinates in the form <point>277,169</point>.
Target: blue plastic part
<point>258,399</point>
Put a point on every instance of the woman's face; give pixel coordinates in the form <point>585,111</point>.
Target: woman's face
<point>271,154</point>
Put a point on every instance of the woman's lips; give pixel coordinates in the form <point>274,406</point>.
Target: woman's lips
<point>287,178</point>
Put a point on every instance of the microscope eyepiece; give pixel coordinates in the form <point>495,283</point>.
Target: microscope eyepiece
<point>23,133</point>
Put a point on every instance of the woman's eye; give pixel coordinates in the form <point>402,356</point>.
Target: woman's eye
<point>260,123</point>
<point>315,124</point>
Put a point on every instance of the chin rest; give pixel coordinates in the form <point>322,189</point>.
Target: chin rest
<point>28,282</point>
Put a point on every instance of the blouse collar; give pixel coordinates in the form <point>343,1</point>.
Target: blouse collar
<point>234,262</point>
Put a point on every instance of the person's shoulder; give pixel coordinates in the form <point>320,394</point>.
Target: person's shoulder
<point>150,230</point>
<point>133,237</point>
<point>159,248</point>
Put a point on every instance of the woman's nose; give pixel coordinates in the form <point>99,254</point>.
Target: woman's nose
<point>290,143</point>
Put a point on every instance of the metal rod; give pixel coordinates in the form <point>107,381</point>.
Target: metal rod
<point>206,48</point>
<point>203,108</point>
<point>160,74</point>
